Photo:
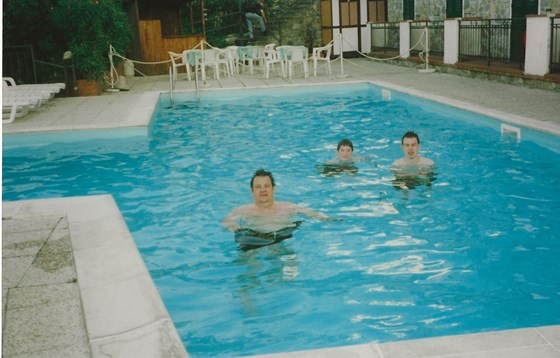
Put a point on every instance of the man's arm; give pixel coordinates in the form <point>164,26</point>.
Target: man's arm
<point>230,221</point>
<point>314,214</point>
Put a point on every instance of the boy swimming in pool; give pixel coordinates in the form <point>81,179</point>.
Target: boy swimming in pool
<point>265,221</point>
<point>345,153</point>
<point>344,160</point>
<point>412,170</point>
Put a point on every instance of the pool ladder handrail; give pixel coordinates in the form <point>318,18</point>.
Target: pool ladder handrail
<point>196,86</point>
<point>171,85</point>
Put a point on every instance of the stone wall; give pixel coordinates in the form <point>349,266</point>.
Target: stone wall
<point>294,22</point>
<point>430,9</point>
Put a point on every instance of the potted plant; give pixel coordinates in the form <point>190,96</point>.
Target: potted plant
<point>88,28</point>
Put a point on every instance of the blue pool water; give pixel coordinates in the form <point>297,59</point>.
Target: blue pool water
<point>477,250</point>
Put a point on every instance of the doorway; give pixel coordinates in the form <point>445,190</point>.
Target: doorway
<point>519,10</point>
<point>350,18</point>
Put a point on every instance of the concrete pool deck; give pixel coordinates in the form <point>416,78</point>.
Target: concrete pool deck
<point>74,284</point>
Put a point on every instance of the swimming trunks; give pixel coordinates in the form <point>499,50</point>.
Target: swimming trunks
<point>334,169</point>
<point>249,239</point>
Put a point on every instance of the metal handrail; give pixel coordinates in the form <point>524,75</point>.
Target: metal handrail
<point>390,35</point>
<point>490,39</point>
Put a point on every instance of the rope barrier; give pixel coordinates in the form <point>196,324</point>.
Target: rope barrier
<point>351,46</point>
<point>398,56</point>
<point>113,72</point>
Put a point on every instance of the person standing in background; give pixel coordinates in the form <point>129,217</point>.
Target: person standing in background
<point>254,12</point>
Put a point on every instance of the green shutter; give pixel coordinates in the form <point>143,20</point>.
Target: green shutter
<point>454,8</point>
<point>408,9</point>
<point>521,8</point>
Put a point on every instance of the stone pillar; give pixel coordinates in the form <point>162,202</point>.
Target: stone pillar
<point>404,35</point>
<point>537,50</point>
<point>451,44</point>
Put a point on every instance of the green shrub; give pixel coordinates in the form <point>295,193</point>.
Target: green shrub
<point>88,28</point>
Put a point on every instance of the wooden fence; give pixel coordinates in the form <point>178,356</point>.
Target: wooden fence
<point>154,46</point>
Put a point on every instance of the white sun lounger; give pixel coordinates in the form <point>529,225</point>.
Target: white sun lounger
<point>9,84</point>
<point>11,109</point>
<point>45,94</point>
<point>33,101</point>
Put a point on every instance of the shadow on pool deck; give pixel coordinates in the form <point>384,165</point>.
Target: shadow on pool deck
<point>73,282</point>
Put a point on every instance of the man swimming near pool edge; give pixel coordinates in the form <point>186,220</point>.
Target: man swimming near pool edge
<point>410,144</point>
<point>266,219</point>
<point>412,170</point>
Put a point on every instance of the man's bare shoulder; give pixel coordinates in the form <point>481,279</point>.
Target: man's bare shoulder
<point>285,205</point>
<point>247,208</point>
<point>425,162</point>
<point>398,163</point>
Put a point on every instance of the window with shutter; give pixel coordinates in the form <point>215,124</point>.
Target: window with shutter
<point>408,9</point>
<point>454,8</point>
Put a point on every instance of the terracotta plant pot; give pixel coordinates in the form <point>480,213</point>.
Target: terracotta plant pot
<point>89,88</point>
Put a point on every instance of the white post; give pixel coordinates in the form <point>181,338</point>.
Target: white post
<point>342,75</point>
<point>451,44</point>
<point>537,52</point>
<point>404,33</point>
<point>427,47</point>
<point>427,50</point>
<point>341,54</point>
<point>112,69</point>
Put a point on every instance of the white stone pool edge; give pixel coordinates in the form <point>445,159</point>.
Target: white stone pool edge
<point>546,127</point>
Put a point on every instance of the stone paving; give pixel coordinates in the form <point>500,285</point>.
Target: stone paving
<point>42,310</point>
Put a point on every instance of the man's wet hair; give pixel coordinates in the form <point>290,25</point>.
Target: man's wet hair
<point>410,134</point>
<point>263,173</point>
<point>345,142</point>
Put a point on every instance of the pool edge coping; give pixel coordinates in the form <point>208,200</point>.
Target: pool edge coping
<point>509,118</point>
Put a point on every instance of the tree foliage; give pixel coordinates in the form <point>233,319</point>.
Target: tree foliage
<point>88,28</point>
<point>30,22</point>
<point>85,27</point>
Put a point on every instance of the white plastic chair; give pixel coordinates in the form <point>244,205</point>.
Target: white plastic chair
<point>179,60</point>
<point>250,56</point>
<point>193,58</point>
<point>271,58</point>
<point>223,61</point>
<point>294,55</point>
<point>233,58</point>
<point>215,58</point>
<point>322,54</point>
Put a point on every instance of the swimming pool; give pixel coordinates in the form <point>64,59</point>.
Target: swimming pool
<point>474,251</point>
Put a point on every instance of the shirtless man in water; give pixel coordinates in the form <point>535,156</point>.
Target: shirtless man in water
<point>410,144</point>
<point>412,169</point>
<point>266,215</point>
